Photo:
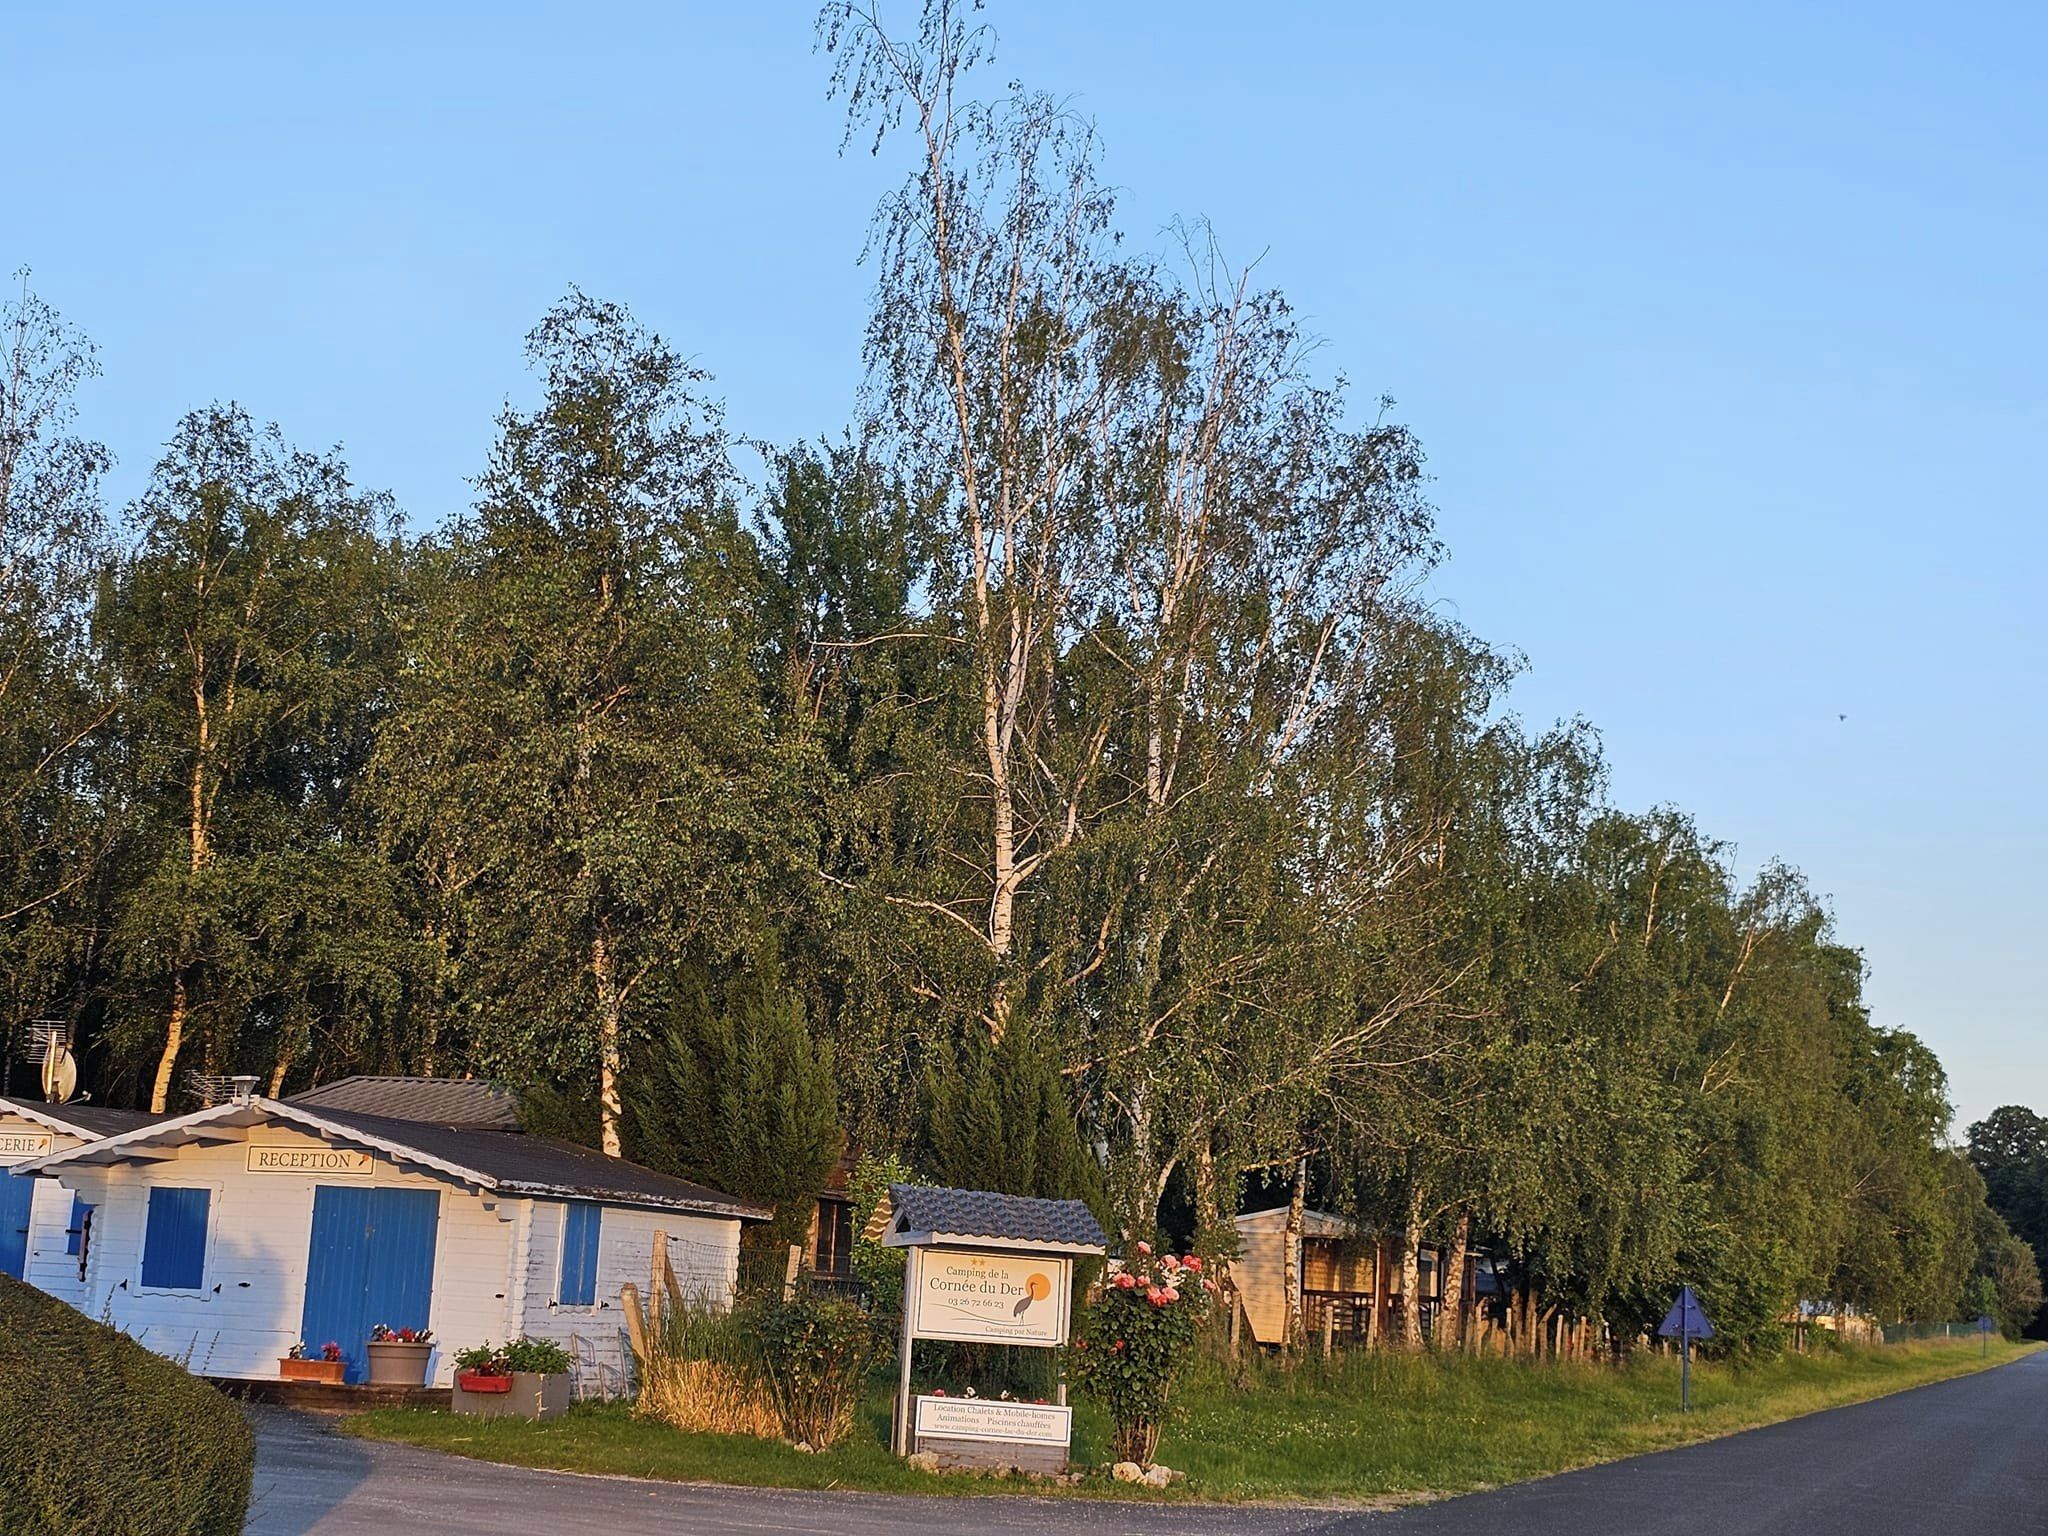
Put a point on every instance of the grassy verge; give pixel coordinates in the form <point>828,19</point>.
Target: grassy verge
<point>1359,1429</point>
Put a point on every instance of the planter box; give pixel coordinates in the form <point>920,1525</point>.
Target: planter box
<point>330,1371</point>
<point>393,1364</point>
<point>530,1396</point>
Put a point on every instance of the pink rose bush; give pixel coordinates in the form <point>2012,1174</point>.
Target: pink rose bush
<point>1133,1340</point>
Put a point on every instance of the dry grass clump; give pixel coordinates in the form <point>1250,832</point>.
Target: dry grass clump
<point>697,1370</point>
<point>705,1396</point>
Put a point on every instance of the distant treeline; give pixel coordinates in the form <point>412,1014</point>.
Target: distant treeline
<point>1057,777</point>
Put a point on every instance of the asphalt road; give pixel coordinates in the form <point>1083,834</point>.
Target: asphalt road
<point>1969,1455</point>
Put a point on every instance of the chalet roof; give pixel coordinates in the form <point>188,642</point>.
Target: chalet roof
<point>1314,1223</point>
<point>920,1215</point>
<point>438,1100</point>
<point>501,1162</point>
<point>90,1121</point>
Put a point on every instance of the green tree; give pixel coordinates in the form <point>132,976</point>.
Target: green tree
<point>738,1093</point>
<point>52,700</point>
<point>581,766</point>
<point>2009,1148</point>
<point>247,635</point>
<point>1001,1119</point>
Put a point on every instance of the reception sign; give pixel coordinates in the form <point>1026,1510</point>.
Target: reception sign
<point>974,1297</point>
<point>345,1162</point>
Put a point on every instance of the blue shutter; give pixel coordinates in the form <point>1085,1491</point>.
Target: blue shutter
<point>76,1231</point>
<point>17,1195</point>
<point>174,1242</point>
<point>580,1223</point>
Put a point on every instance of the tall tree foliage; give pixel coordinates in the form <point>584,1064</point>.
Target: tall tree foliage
<point>52,703</point>
<point>737,1091</point>
<point>582,768</point>
<point>245,635</point>
<point>1057,779</point>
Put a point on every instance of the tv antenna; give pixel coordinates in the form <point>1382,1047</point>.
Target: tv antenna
<point>49,1047</point>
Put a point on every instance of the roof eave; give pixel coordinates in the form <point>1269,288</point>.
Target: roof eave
<point>984,1240</point>
<point>42,1116</point>
<point>682,1204</point>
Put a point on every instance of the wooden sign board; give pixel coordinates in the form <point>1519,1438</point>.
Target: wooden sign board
<point>973,1297</point>
<point>983,1432</point>
<point>327,1162</point>
<point>26,1144</point>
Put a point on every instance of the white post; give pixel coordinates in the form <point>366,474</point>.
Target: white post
<point>902,1436</point>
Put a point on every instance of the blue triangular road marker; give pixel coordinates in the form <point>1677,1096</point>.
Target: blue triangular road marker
<point>1686,1317</point>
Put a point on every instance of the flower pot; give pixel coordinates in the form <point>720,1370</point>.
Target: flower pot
<point>478,1381</point>
<point>523,1395</point>
<point>393,1364</point>
<point>332,1372</point>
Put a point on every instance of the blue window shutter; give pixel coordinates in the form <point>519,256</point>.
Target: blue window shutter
<point>580,1224</point>
<point>79,1211</point>
<point>174,1241</point>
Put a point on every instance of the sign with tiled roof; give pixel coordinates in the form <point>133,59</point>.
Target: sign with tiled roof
<point>922,1216</point>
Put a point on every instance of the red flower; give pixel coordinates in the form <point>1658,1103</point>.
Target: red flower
<point>1119,1344</point>
<point>1145,1249</point>
<point>1193,1263</point>
<point>1126,1280</point>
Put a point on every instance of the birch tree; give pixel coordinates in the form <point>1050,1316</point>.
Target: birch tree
<point>52,704</point>
<point>244,633</point>
<point>581,765</point>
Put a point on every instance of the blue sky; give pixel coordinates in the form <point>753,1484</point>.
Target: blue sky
<point>1725,331</point>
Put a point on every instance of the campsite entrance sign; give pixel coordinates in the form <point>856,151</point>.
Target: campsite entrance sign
<point>1685,1322</point>
<point>984,1268</point>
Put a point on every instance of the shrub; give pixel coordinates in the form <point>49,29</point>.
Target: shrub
<point>1136,1337</point>
<point>99,1437</point>
<point>812,1354</point>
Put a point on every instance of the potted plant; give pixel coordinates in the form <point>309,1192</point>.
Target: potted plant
<point>524,1379</point>
<point>328,1366</point>
<point>398,1356</point>
<point>481,1368</point>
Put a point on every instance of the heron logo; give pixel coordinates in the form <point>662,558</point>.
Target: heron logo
<point>1036,1288</point>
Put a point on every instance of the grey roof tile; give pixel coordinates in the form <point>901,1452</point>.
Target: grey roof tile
<point>980,1213</point>
<point>519,1164</point>
<point>93,1119</point>
<point>441,1100</point>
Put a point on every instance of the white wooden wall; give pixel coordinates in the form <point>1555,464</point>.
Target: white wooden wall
<point>704,1250</point>
<point>248,1311</point>
<point>49,1267</point>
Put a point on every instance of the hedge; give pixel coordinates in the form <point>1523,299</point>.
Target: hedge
<point>99,1437</point>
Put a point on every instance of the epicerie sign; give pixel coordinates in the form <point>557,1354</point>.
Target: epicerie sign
<point>25,1143</point>
<point>990,1298</point>
<point>344,1161</point>
<point>975,1418</point>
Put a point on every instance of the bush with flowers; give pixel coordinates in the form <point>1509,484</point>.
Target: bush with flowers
<point>1135,1338</point>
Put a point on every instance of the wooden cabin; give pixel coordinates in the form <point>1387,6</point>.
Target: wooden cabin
<point>1350,1281</point>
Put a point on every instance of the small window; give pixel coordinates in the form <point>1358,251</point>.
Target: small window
<point>74,1234</point>
<point>580,1223</point>
<point>832,1254</point>
<point>174,1240</point>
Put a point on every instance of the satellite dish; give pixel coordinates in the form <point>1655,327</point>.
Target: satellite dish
<point>60,1070</point>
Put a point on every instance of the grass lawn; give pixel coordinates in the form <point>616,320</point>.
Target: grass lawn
<point>1362,1428</point>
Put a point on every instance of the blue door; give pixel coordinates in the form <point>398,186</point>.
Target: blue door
<point>371,1261</point>
<point>16,1192</point>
